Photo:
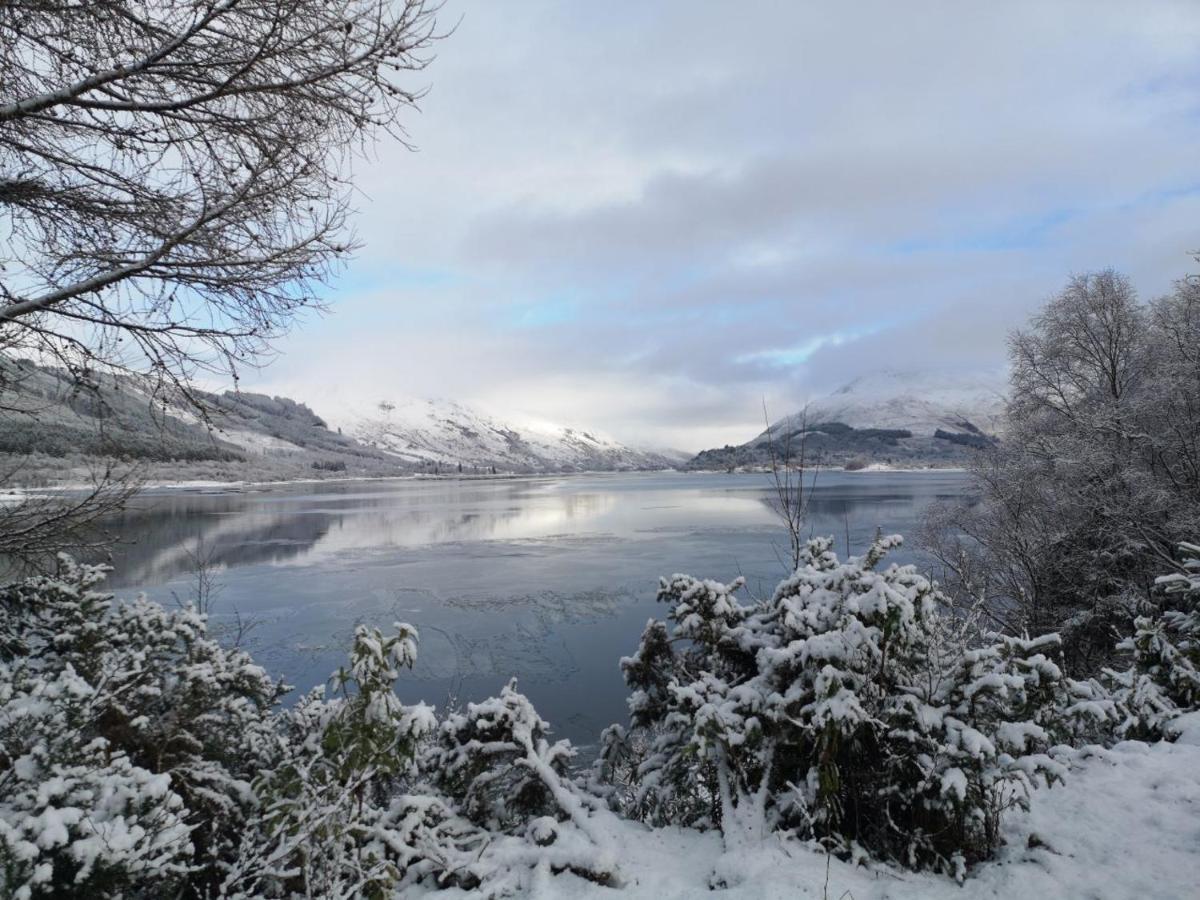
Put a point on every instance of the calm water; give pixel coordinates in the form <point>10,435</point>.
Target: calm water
<point>548,579</point>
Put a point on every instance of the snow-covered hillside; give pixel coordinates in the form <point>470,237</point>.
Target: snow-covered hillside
<point>447,433</point>
<point>58,432</point>
<point>920,402</point>
<point>254,436</point>
<point>890,417</point>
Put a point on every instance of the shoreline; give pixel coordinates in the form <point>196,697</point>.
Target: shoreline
<point>18,493</point>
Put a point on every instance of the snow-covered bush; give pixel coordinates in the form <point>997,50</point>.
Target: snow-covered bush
<point>496,763</point>
<point>121,717</point>
<point>365,800</point>
<point>325,827</point>
<point>139,758</point>
<point>77,815</point>
<point>495,760</point>
<point>836,709</point>
<point>1163,681</point>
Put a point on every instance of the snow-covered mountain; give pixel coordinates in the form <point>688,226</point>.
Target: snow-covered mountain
<point>900,417</point>
<point>921,402</point>
<point>54,430</point>
<point>252,436</point>
<point>445,433</point>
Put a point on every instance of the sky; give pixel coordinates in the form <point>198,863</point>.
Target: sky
<point>649,219</point>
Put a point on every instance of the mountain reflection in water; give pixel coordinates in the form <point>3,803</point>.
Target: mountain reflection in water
<point>549,580</point>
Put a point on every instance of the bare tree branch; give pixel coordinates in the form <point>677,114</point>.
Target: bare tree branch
<point>36,525</point>
<point>174,176</point>
<point>789,467</point>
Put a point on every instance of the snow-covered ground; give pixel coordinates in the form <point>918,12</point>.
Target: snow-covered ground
<point>1124,826</point>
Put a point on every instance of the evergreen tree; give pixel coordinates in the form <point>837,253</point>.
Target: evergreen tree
<point>148,731</point>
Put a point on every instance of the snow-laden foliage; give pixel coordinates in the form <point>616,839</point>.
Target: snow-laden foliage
<point>495,759</point>
<point>130,703</point>
<point>138,758</point>
<point>76,813</point>
<point>1163,681</point>
<point>836,709</point>
<point>324,828</point>
<point>497,764</point>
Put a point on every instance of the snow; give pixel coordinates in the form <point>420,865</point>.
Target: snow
<point>1117,823</point>
<point>256,442</point>
<point>447,433</point>
<point>954,783</point>
<point>1124,826</point>
<point>1186,729</point>
<point>920,401</point>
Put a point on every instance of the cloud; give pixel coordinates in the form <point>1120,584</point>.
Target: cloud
<point>797,354</point>
<point>648,218</point>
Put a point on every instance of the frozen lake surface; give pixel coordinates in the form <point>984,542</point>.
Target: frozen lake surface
<point>549,579</point>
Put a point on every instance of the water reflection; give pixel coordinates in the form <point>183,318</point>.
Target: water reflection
<point>160,541</point>
<point>161,531</point>
<point>547,579</point>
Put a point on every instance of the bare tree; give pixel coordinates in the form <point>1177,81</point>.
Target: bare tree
<point>206,588</point>
<point>1082,349</point>
<point>787,456</point>
<point>173,174</point>
<point>174,183</point>
<point>205,568</point>
<point>1097,479</point>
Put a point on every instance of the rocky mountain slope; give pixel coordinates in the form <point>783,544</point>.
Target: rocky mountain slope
<point>892,417</point>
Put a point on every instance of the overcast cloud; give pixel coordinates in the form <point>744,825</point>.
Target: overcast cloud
<point>647,218</point>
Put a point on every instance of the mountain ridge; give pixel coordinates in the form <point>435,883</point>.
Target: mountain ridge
<point>890,417</point>
<point>55,430</point>
<point>435,432</point>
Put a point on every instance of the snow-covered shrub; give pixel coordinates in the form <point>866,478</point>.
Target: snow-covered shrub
<point>139,758</point>
<point>836,709</point>
<point>958,756</point>
<point>496,763</point>
<point>77,815</point>
<point>137,701</point>
<point>370,796</point>
<point>326,798</point>
<point>1163,681</point>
